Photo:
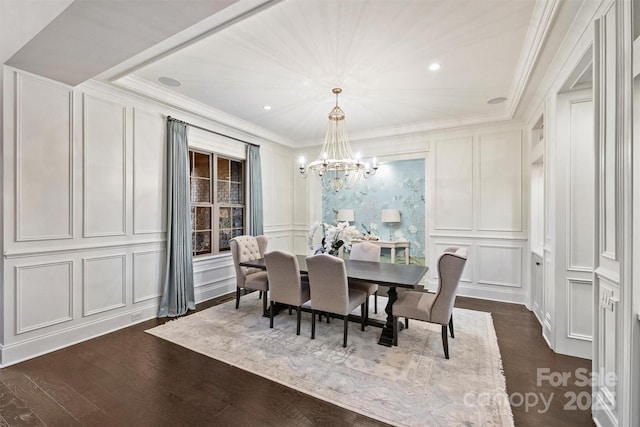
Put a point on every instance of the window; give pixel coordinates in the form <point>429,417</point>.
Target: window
<point>217,201</point>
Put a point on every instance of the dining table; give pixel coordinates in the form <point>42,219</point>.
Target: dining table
<point>391,275</point>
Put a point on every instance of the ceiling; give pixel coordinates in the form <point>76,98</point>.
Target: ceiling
<point>235,57</point>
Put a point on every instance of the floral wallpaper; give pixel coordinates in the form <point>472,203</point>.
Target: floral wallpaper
<point>396,185</point>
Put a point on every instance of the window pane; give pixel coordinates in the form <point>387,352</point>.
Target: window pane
<point>225,236</point>
<point>223,192</point>
<point>193,217</point>
<point>203,242</point>
<point>236,193</point>
<point>225,217</point>
<point>200,190</point>
<point>238,232</point>
<point>203,218</point>
<point>200,165</point>
<point>223,169</point>
<point>237,218</point>
<point>236,171</point>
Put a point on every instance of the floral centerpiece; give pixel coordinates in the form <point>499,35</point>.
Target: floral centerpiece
<point>333,237</point>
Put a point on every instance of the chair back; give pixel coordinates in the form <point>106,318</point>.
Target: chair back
<point>450,266</point>
<point>246,248</point>
<point>284,277</point>
<point>328,284</point>
<point>365,251</point>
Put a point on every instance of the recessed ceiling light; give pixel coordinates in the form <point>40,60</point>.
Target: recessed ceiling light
<point>498,100</point>
<point>168,81</point>
<point>434,67</point>
<point>266,107</point>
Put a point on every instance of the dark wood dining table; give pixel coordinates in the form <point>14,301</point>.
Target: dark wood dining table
<point>390,275</point>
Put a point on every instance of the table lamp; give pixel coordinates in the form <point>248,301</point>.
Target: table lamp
<point>390,216</point>
<point>345,215</point>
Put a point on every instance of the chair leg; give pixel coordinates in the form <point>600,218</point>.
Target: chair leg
<point>375,302</point>
<point>406,323</point>
<point>451,326</point>
<point>362,316</point>
<point>313,325</point>
<point>237,298</point>
<point>328,317</point>
<point>445,342</point>
<point>289,310</point>
<point>298,315</point>
<point>264,304</point>
<point>395,330</point>
<point>271,315</point>
<point>346,328</point>
<point>259,294</point>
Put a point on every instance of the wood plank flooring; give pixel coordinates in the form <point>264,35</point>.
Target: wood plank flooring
<point>130,378</point>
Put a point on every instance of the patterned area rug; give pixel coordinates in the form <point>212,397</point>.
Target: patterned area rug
<point>409,385</point>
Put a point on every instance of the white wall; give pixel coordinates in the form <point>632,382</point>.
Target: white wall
<point>85,225</point>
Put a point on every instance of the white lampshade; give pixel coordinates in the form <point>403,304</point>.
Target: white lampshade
<point>345,215</point>
<point>390,215</point>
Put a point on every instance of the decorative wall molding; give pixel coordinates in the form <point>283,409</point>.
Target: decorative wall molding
<point>42,251</point>
<point>45,110</point>
<point>140,275</point>
<point>482,250</point>
<point>48,314</point>
<point>576,308</point>
<point>453,163</point>
<point>99,282</point>
<point>98,205</point>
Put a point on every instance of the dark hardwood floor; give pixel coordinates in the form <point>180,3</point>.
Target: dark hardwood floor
<point>130,378</point>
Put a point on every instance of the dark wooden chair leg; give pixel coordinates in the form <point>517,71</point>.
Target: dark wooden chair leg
<point>395,330</point>
<point>362,316</point>
<point>346,328</point>
<point>298,315</point>
<point>259,294</point>
<point>289,310</point>
<point>237,298</point>
<point>328,317</point>
<point>271,315</point>
<point>451,326</point>
<point>445,342</point>
<point>406,323</point>
<point>375,302</point>
<point>313,325</point>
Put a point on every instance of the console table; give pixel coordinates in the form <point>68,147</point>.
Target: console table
<point>391,245</point>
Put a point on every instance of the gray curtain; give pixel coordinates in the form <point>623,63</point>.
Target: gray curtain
<point>178,293</point>
<point>255,190</point>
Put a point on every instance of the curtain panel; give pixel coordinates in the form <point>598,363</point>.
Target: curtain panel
<point>178,290</point>
<point>255,190</point>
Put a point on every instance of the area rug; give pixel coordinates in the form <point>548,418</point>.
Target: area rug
<point>408,385</point>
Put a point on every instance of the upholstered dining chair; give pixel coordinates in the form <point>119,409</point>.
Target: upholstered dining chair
<point>365,251</point>
<point>285,283</point>
<point>330,292</point>
<point>434,307</point>
<point>247,248</point>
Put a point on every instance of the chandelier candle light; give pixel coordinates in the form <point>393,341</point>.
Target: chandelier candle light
<point>336,167</point>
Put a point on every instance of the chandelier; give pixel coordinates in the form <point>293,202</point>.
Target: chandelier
<point>336,167</point>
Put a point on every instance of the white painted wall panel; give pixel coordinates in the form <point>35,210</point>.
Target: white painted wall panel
<point>104,167</point>
<point>500,182</point>
<point>149,173</point>
<point>43,295</point>
<point>499,265</point>
<point>581,186</point>
<point>579,310</point>
<point>104,283</point>
<point>148,273</point>
<point>453,184</point>
<point>44,165</point>
<point>609,141</point>
<point>467,273</point>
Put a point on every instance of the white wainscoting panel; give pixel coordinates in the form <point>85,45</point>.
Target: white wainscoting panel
<point>467,273</point>
<point>453,184</point>
<point>149,173</point>
<point>43,295</point>
<point>581,187</point>
<point>499,265</point>
<point>104,167</point>
<point>500,182</point>
<point>213,277</point>
<point>608,339</point>
<point>276,189</point>
<point>104,283</point>
<point>148,274</point>
<point>44,160</point>
<point>580,312</point>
